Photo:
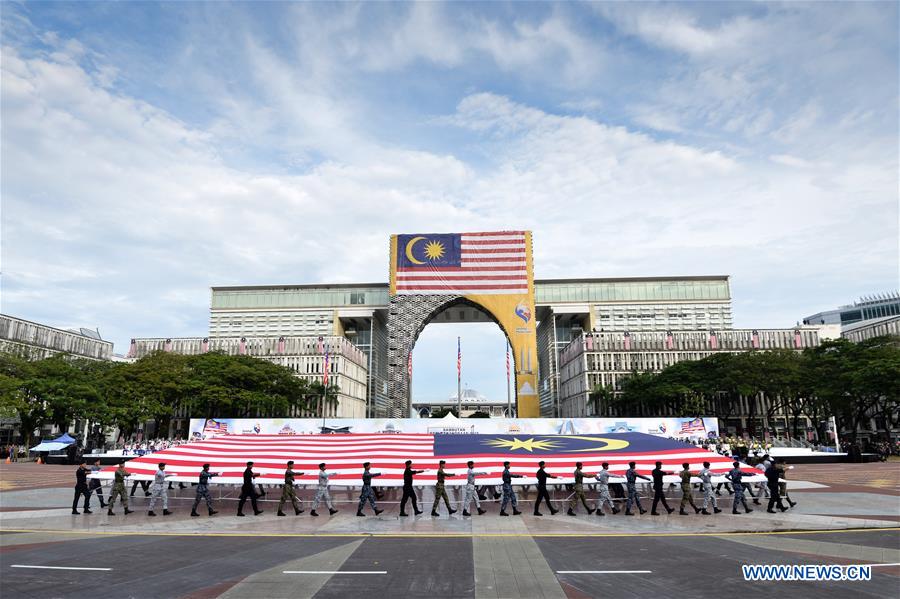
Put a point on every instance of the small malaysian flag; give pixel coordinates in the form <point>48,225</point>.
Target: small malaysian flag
<point>713,340</point>
<point>462,263</point>
<point>670,340</point>
<point>204,345</point>
<point>281,345</point>
<point>327,367</point>
<point>132,349</point>
<point>627,342</point>
<point>458,360</point>
<point>798,340</point>
<point>242,346</point>
<point>754,339</point>
<point>168,345</point>
<point>409,365</point>
<point>507,365</point>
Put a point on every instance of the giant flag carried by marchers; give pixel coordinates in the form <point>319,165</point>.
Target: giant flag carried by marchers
<point>387,453</point>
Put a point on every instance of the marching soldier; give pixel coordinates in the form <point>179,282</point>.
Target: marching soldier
<point>159,490</point>
<point>95,484</point>
<point>287,491</point>
<point>542,477</point>
<point>408,491</point>
<point>322,493</point>
<point>658,495</point>
<point>81,489</point>
<point>782,484</point>
<point>603,491</point>
<point>203,491</point>
<point>248,490</point>
<point>579,492</point>
<point>366,494</point>
<point>735,475</point>
<point>118,489</point>
<point>509,496</point>
<point>687,493</point>
<point>762,488</point>
<point>631,477</point>
<point>470,489</point>
<point>772,475</point>
<point>705,476</point>
<point>440,491</point>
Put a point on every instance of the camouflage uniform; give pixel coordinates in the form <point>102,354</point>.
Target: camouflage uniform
<point>367,494</point>
<point>708,494</point>
<point>603,491</point>
<point>322,493</point>
<point>579,493</point>
<point>203,491</point>
<point>470,489</point>
<point>287,492</point>
<point>509,496</point>
<point>159,490</point>
<point>118,488</point>
<point>440,492</point>
<point>687,494</point>
<point>631,477</point>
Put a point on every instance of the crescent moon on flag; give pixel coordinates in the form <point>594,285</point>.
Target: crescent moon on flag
<point>611,444</point>
<point>409,250</point>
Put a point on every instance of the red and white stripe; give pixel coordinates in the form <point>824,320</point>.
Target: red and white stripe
<point>490,264</point>
<point>345,454</point>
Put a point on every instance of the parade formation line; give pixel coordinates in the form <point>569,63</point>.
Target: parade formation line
<point>434,535</point>
<point>333,572</point>
<point>604,571</point>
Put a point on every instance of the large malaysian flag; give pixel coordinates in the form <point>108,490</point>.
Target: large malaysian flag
<point>462,263</point>
<point>345,454</point>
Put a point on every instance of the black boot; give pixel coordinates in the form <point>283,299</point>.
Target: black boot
<point>109,512</point>
<point>435,514</point>
<point>195,514</point>
<point>280,513</point>
<point>313,513</point>
<point>571,513</point>
<point>241,514</point>
<point>734,511</point>
<point>616,511</point>
<point>480,511</point>
<point>87,511</point>
<point>166,513</point>
<point>212,512</point>
<point>360,514</point>
<point>377,511</point>
<point>466,513</point>
<point>152,513</point>
<point>451,511</point>
<point>502,513</point>
<point>683,513</point>
<point>716,510</point>
<point>516,512</point>
<point>298,511</point>
<point>704,512</point>
<point>127,511</point>
<point>332,511</point>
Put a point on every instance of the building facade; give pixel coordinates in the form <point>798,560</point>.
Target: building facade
<point>564,308</point>
<point>867,308</point>
<point>37,341</point>
<point>347,364</point>
<point>605,359</point>
<point>471,401</point>
<point>868,329</point>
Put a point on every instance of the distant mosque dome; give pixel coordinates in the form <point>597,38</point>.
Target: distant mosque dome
<point>470,395</point>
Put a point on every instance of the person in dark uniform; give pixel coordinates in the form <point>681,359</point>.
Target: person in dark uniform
<point>366,493</point>
<point>203,491</point>
<point>248,490</point>
<point>440,492</point>
<point>657,474</point>
<point>773,473</point>
<point>95,486</point>
<point>408,492</point>
<point>579,492</point>
<point>735,475</point>
<point>81,488</point>
<point>509,495</point>
<point>542,477</point>
<point>145,485</point>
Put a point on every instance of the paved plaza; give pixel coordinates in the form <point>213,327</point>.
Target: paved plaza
<point>852,520</point>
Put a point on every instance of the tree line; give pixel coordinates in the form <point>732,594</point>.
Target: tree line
<point>850,381</point>
<point>61,389</point>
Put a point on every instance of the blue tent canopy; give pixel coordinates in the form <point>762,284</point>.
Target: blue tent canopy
<point>57,444</point>
<point>64,438</point>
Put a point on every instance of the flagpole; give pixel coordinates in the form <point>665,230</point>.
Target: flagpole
<point>458,379</point>
<point>508,394</point>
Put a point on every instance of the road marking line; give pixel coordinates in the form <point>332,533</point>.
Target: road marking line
<point>59,568</point>
<point>604,571</point>
<point>332,572</point>
<point>878,565</point>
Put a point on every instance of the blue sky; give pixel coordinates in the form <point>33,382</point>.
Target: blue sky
<point>150,151</point>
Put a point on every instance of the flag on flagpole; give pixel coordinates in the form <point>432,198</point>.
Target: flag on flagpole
<point>242,346</point>
<point>507,364</point>
<point>409,366</point>
<point>281,345</point>
<point>627,341</point>
<point>325,372</point>
<point>204,345</point>
<point>754,340</point>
